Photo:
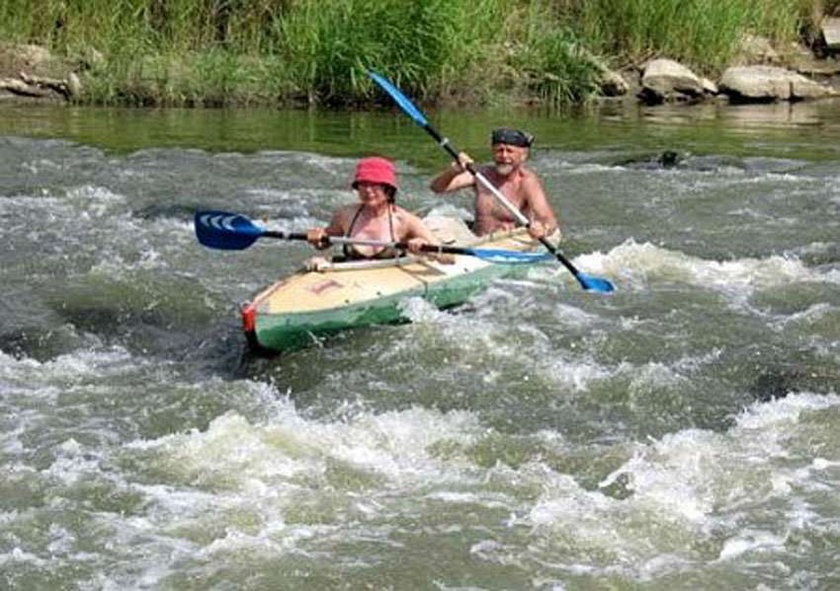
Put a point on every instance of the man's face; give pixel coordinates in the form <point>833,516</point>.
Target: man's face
<point>508,158</point>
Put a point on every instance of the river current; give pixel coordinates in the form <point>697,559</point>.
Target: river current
<point>682,433</point>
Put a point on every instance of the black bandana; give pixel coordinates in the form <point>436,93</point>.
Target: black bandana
<point>511,137</point>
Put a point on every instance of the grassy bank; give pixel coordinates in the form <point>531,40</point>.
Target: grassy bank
<point>239,52</point>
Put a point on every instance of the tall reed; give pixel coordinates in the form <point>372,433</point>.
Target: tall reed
<point>705,33</point>
<point>425,46</point>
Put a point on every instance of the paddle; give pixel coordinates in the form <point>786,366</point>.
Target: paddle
<point>588,282</point>
<point>232,231</point>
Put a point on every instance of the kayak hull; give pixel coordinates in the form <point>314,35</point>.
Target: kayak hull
<point>297,310</point>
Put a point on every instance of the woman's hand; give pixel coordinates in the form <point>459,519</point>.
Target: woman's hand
<point>415,245</point>
<point>317,263</point>
<point>318,238</point>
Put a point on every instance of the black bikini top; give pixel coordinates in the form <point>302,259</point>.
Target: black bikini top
<point>386,253</point>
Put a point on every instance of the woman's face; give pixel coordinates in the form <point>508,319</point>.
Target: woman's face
<point>372,194</point>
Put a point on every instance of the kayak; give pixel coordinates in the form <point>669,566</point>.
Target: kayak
<point>297,310</point>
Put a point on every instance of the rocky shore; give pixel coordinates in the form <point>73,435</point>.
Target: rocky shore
<point>761,73</point>
<point>33,73</point>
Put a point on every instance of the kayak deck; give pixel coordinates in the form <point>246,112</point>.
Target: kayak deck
<point>290,312</point>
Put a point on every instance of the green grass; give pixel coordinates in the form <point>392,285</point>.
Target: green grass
<point>241,52</point>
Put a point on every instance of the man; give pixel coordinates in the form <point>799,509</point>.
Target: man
<point>521,186</point>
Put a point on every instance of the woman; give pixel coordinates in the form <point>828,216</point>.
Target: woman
<point>375,217</point>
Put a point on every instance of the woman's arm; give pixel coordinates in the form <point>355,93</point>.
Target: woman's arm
<point>418,235</point>
<point>337,227</point>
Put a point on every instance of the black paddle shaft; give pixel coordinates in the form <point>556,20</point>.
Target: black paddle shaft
<point>284,235</point>
<point>398,245</point>
<point>327,240</point>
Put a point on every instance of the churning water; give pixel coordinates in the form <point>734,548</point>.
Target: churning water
<point>683,433</point>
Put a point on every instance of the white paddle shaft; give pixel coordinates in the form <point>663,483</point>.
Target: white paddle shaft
<point>514,211</point>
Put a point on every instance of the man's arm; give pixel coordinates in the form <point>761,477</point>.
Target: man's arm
<point>543,220</point>
<point>451,180</point>
<point>454,177</point>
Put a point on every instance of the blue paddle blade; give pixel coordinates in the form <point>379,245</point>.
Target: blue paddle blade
<point>597,284</point>
<point>509,257</point>
<point>402,100</point>
<point>225,231</point>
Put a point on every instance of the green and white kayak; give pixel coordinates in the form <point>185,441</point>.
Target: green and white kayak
<point>293,311</point>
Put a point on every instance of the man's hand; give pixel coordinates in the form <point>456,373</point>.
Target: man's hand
<point>463,161</point>
<point>537,230</point>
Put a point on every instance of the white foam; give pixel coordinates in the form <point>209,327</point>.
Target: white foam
<point>235,452</point>
<point>418,309</point>
<point>95,202</point>
<point>738,279</point>
<point>19,556</point>
<point>751,541</point>
<point>811,315</point>
<point>81,364</point>
<point>576,375</point>
<point>689,484</point>
<point>783,411</point>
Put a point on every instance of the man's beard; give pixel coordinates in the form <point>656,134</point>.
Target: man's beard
<point>504,169</point>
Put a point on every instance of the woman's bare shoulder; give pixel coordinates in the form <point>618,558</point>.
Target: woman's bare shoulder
<point>404,214</point>
<point>347,209</point>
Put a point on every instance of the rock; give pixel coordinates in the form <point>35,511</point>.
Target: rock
<point>18,87</point>
<point>831,33</point>
<point>664,79</point>
<point>32,72</point>
<point>613,83</point>
<point>708,86</point>
<point>803,60</point>
<point>59,87</point>
<point>74,85</point>
<point>669,159</point>
<point>769,83</point>
<point>816,67</point>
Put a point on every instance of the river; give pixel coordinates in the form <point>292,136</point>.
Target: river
<point>682,433</point>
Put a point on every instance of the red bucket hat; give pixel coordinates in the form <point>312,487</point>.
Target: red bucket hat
<point>375,170</point>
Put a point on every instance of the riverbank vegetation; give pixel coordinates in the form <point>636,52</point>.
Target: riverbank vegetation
<point>241,52</point>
